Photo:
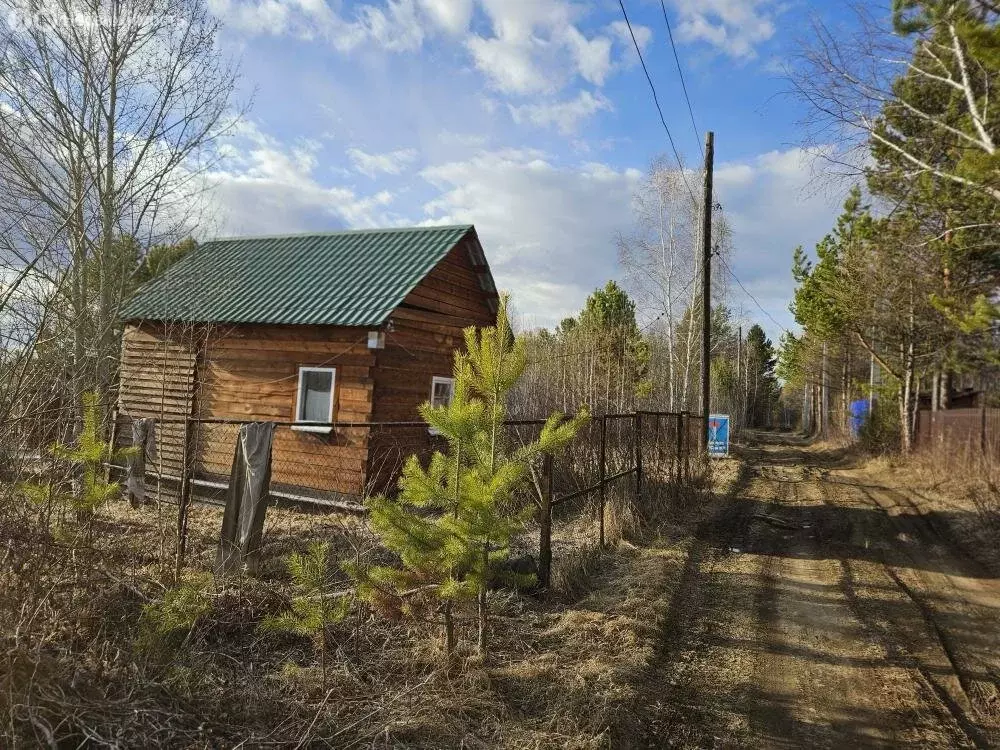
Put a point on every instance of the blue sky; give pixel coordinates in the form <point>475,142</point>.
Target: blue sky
<point>528,118</point>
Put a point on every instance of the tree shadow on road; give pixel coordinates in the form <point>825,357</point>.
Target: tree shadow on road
<point>727,621</point>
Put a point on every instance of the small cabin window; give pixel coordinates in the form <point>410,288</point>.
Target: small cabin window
<point>442,392</point>
<point>314,404</point>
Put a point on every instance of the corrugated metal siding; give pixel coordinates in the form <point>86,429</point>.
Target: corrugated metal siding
<point>344,278</point>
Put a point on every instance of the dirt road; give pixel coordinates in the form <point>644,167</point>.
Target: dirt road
<point>819,609</point>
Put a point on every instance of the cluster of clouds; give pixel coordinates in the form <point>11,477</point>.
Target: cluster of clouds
<point>735,27</point>
<point>549,225</point>
<point>548,218</point>
<point>529,51</point>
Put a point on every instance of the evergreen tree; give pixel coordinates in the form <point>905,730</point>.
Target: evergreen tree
<point>312,609</point>
<point>608,318</point>
<point>948,118</point>
<point>159,258</point>
<point>826,304</point>
<point>762,384</point>
<point>86,459</point>
<point>455,519</point>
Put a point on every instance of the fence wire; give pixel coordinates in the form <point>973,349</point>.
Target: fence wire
<point>613,476</point>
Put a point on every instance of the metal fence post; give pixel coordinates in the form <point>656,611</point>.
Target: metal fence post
<point>112,443</point>
<point>680,450</point>
<point>638,457</point>
<point>656,458</point>
<point>602,474</point>
<point>183,500</point>
<point>545,525</point>
<point>982,418</point>
<point>686,458</point>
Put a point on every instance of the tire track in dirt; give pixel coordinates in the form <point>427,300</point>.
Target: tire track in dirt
<point>971,692</point>
<point>821,650</point>
<point>788,630</point>
<point>903,656</point>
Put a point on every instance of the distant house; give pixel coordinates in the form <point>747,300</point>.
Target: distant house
<point>305,330</point>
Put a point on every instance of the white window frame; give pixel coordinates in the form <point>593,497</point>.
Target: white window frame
<point>434,382</point>
<point>309,426</point>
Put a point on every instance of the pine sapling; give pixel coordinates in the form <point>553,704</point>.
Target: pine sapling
<point>87,459</point>
<point>454,521</point>
<point>177,612</point>
<point>314,607</point>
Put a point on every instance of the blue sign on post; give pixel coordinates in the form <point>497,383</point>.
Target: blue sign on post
<point>718,434</point>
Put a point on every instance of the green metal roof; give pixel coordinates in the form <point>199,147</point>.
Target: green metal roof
<point>354,278</point>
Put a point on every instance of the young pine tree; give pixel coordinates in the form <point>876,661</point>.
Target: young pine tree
<point>454,521</point>
<point>313,609</point>
<point>87,459</point>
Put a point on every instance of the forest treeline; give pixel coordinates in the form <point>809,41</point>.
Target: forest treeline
<point>899,300</point>
<point>602,359</point>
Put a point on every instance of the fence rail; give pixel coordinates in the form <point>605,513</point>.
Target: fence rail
<point>578,494</point>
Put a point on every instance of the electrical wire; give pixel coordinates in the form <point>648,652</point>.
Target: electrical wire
<point>680,74</point>
<point>753,298</point>
<point>656,101</point>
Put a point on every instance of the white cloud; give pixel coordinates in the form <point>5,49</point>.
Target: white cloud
<point>454,16</point>
<point>549,230</point>
<point>266,16</point>
<point>393,162</point>
<point>620,30</point>
<point>397,28</point>
<point>510,66</point>
<point>734,27</point>
<point>536,46</point>
<point>773,204</point>
<point>566,116</point>
<point>593,56</point>
<point>523,47</point>
<point>395,25</point>
<point>268,187</point>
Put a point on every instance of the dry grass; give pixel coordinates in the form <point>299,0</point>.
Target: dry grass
<point>562,670</point>
<point>963,488</point>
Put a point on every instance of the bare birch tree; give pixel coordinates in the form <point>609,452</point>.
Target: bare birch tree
<point>110,113</point>
<point>849,79</point>
<point>661,258</point>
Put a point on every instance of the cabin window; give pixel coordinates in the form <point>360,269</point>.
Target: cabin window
<point>442,392</point>
<point>314,404</point>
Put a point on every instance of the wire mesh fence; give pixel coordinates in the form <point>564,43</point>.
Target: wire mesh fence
<point>614,474</point>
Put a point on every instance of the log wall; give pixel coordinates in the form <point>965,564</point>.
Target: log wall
<point>427,329</point>
<point>251,372</point>
<point>158,375</point>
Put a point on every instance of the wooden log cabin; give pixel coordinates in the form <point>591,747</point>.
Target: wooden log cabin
<point>310,331</point>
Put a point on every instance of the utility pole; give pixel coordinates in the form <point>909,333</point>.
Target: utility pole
<point>706,287</point>
<point>741,401</point>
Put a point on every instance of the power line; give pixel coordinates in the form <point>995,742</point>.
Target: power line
<point>656,101</point>
<point>746,291</point>
<point>680,74</point>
